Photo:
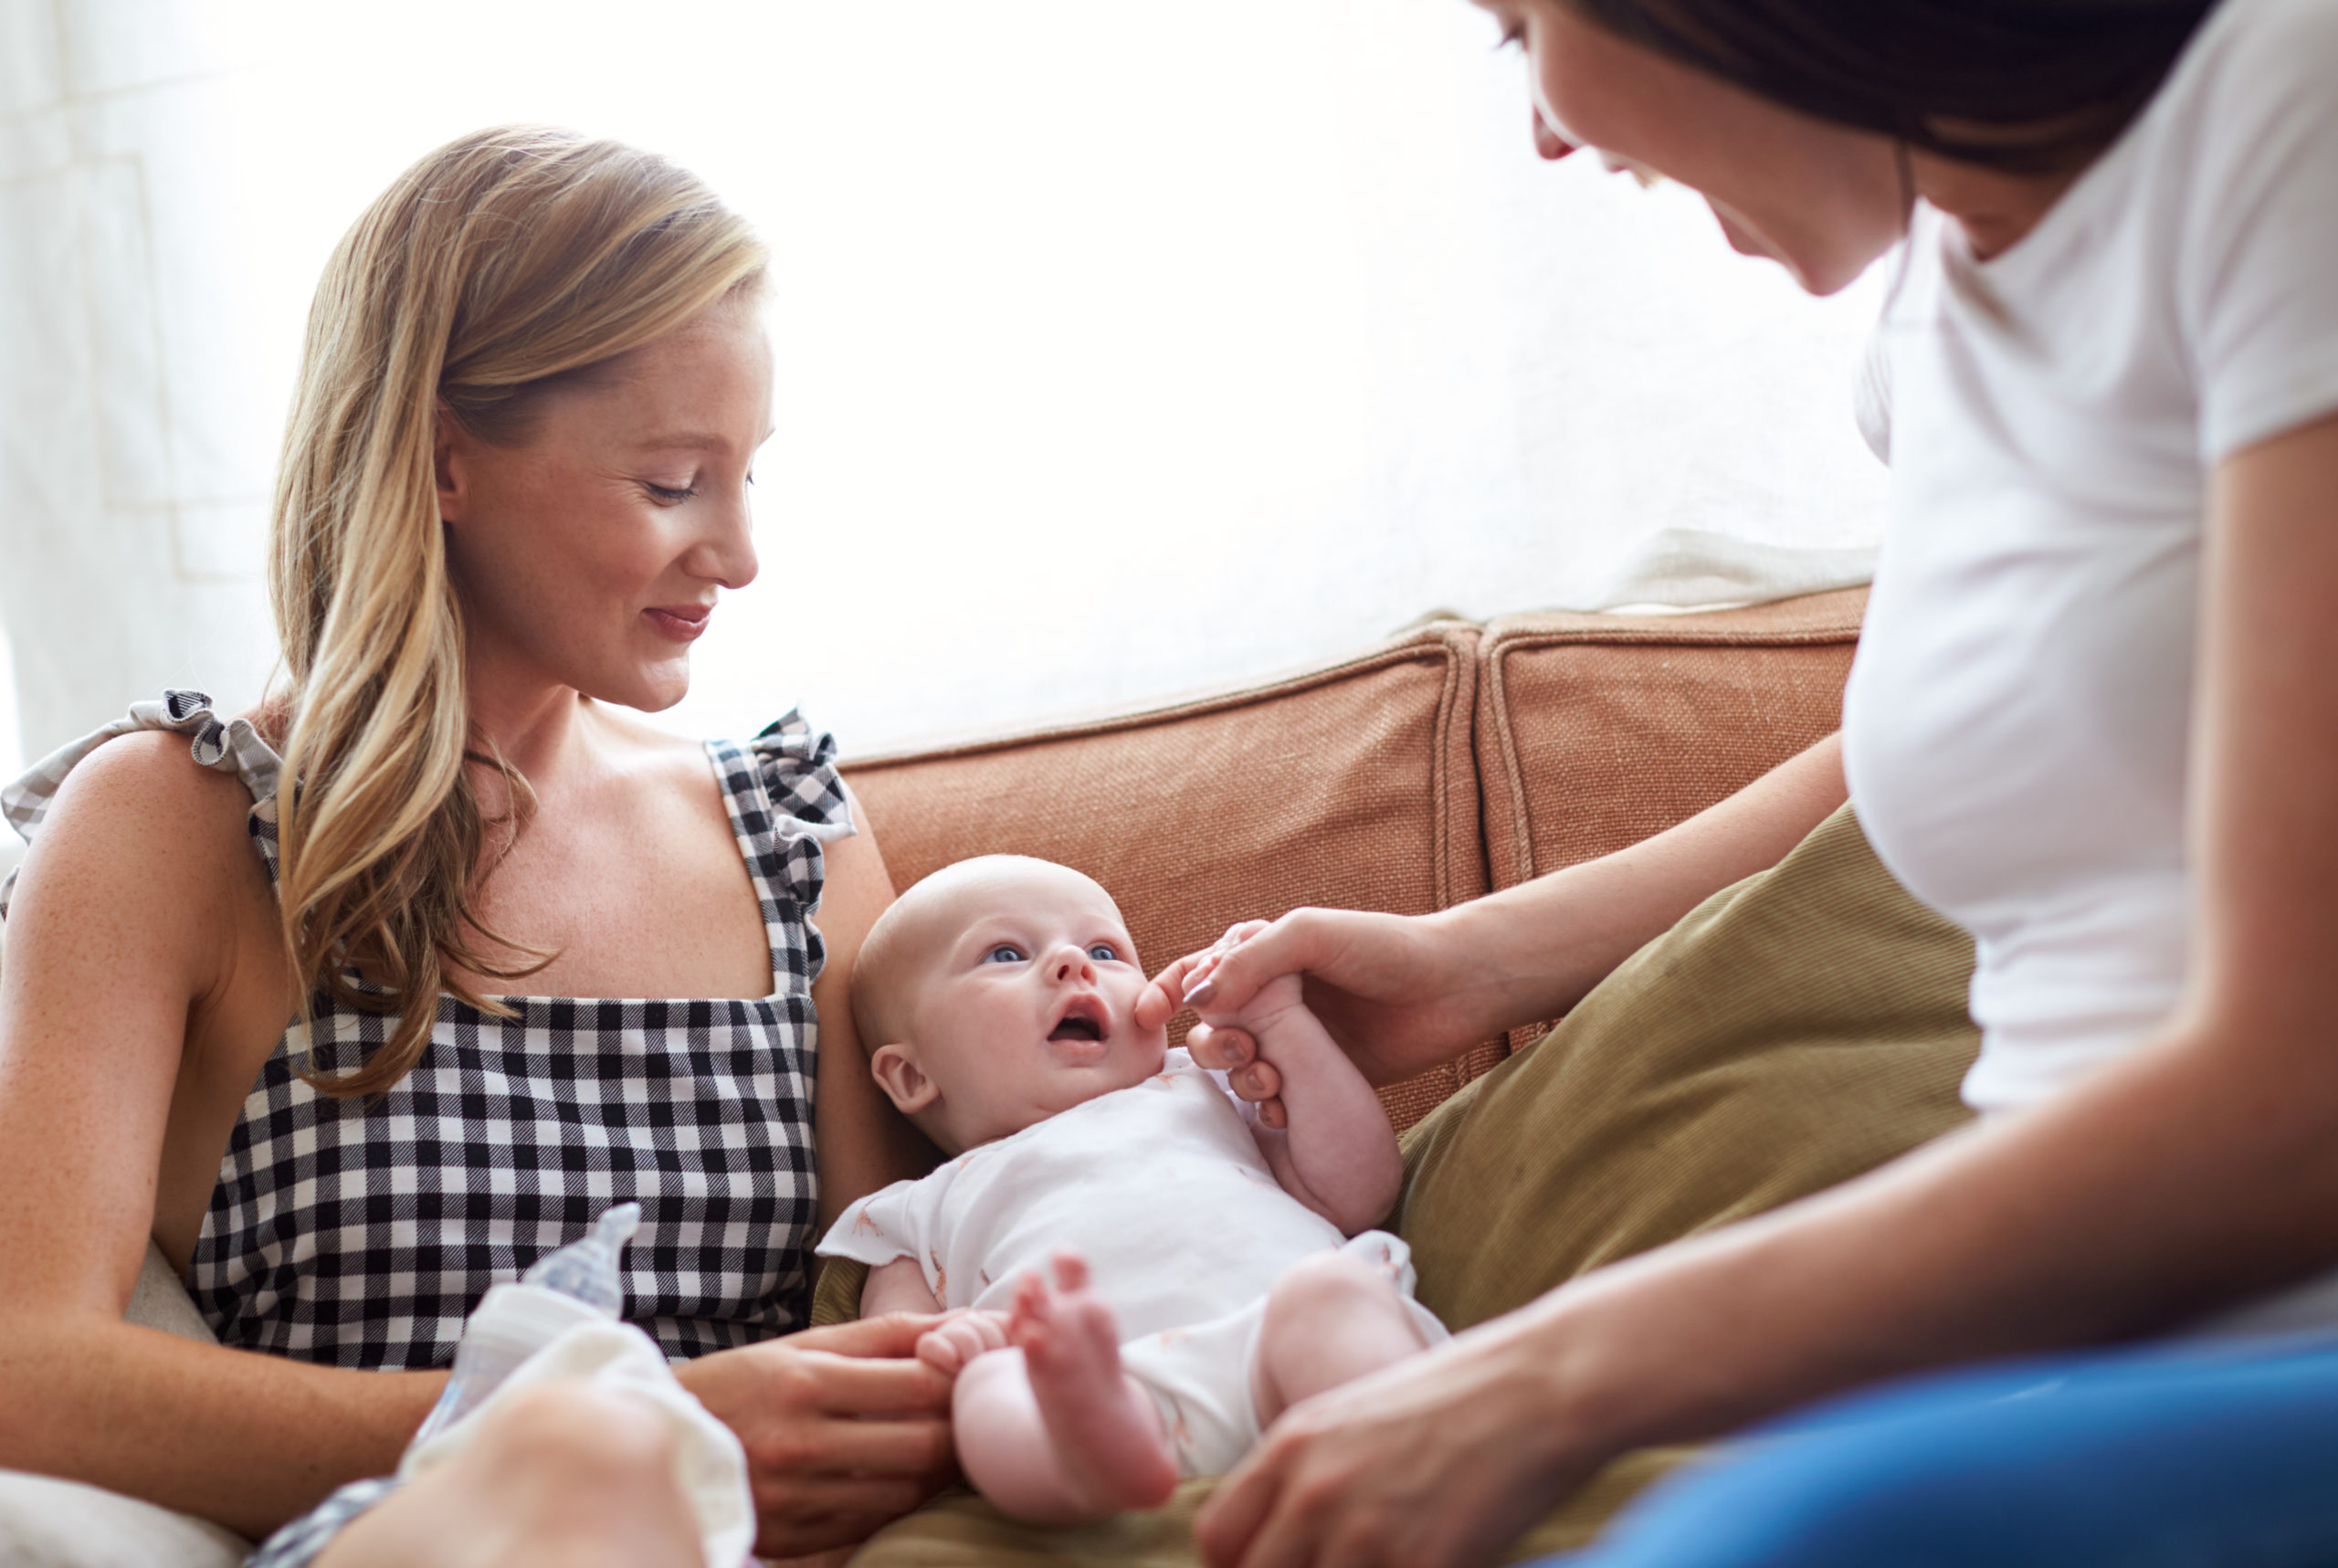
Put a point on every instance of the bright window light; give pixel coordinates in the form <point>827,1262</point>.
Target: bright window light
<point>1121,349</point>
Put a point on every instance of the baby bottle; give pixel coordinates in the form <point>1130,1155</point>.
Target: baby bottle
<point>577,1284</point>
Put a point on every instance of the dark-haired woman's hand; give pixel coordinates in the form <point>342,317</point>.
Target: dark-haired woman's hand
<point>845,1428</point>
<point>1440,1461</point>
<point>1400,994</point>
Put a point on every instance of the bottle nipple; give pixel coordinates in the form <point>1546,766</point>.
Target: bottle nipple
<point>586,1269</point>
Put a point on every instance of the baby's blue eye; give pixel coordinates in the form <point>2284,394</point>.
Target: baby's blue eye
<point>1104,952</point>
<point>1005,952</point>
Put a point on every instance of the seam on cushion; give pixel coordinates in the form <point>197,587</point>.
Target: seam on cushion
<point>1426,645</point>
<point>1505,638</point>
<point>1504,631</point>
<point>1522,845</point>
<point>1499,641</point>
<point>1456,699</point>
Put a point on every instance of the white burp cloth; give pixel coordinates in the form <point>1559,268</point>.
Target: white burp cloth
<point>1199,1376</point>
<point>708,1464</point>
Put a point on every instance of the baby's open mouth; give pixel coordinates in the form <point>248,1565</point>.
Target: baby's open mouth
<point>1084,1018</point>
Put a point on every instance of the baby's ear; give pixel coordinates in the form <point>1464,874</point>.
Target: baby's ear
<point>903,1081</point>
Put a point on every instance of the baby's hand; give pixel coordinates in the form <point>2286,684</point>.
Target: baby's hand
<point>1230,1041</point>
<point>960,1337</point>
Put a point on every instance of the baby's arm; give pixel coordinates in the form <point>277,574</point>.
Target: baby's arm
<point>900,1287</point>
<point>1336,1153</point>
<point>897,1286</point>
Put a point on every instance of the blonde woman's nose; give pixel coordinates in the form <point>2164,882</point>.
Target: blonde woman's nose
<point>725,552</point>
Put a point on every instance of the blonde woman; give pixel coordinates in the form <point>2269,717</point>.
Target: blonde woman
<point>313,998</point>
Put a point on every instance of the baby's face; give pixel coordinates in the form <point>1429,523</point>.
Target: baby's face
<point>1024,999</point>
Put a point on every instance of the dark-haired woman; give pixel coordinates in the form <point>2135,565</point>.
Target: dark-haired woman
<point>2094,720</point>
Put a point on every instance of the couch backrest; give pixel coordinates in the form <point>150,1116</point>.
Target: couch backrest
<point>1596,731</point>
<point>1452,760</point>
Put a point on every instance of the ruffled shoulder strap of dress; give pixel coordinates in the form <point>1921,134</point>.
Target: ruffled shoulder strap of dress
<point>224,745</point>
<point>786,802</point>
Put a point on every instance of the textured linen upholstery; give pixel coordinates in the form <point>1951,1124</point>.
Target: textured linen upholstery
<point>1352,785</point>
<point>1793,1032</point>
<point>1595,732</point>
<point>1452,760</point>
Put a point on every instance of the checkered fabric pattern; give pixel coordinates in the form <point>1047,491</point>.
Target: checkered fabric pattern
<point>360,1233</point>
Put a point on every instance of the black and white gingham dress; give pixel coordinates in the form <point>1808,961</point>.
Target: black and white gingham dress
<point>360,1233</point>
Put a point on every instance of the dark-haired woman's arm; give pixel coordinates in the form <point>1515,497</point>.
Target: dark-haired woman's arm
<point>2199,1171</point>
<point>1406,992</point>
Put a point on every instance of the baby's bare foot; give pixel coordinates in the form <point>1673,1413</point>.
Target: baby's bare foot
<point>1104,1430</point>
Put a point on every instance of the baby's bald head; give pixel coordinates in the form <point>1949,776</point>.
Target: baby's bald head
<point>999,992</point>
<point>913,935</point>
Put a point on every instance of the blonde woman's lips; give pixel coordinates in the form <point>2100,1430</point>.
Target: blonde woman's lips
<point>682,623</point>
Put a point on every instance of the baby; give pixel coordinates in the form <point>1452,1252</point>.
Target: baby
<point>1155,1272</point>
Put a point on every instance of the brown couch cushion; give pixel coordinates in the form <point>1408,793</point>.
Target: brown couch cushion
<point>1595,732</point>
<point>1794,1031</point>
<point>1352,787</point>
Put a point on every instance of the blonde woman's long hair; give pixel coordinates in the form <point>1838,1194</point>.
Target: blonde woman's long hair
<point>504,264</point>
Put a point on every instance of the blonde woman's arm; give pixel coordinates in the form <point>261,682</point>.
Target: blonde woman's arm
<point>143,976</point>
<point>861,1142</point>
<point>2200,1171</point>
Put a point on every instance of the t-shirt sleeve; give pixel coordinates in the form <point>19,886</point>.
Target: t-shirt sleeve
<point>2260,262</point>
<point>880,1227</point>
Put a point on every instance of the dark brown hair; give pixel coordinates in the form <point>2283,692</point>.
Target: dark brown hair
<point>2023,85</point>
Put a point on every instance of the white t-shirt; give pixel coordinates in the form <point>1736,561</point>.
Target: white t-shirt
<point>2018,717</point>
<point>1161,1187</point>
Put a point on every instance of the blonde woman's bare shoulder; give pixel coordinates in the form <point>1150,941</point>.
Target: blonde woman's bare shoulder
<point>139,818</point>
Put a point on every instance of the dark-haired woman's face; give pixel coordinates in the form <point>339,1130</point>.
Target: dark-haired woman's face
<point>1822,199</point>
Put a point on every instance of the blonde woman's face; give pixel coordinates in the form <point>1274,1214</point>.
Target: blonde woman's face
<point>592,554</point>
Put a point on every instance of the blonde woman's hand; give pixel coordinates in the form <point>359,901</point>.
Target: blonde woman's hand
<point>845,1428</point>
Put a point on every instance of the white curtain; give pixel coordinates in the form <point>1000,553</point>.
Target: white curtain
<point>1123,349</point>
<point>135,428</point>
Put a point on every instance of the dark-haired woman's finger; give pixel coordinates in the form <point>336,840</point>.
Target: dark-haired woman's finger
<point>1165,993</point>
<point>1222,1048</point>
<point>1286,947</point>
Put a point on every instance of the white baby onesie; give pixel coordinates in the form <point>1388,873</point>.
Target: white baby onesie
<point>1161,1187</point>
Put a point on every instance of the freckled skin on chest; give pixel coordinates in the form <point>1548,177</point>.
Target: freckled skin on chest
<point>647,896</point>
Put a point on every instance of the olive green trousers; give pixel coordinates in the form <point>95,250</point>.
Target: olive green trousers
<point>1794,1031</point>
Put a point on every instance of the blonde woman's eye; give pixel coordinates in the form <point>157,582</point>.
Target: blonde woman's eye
<point>1005,952</point>
<point>1104,952</point>
<point>671,496</point>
